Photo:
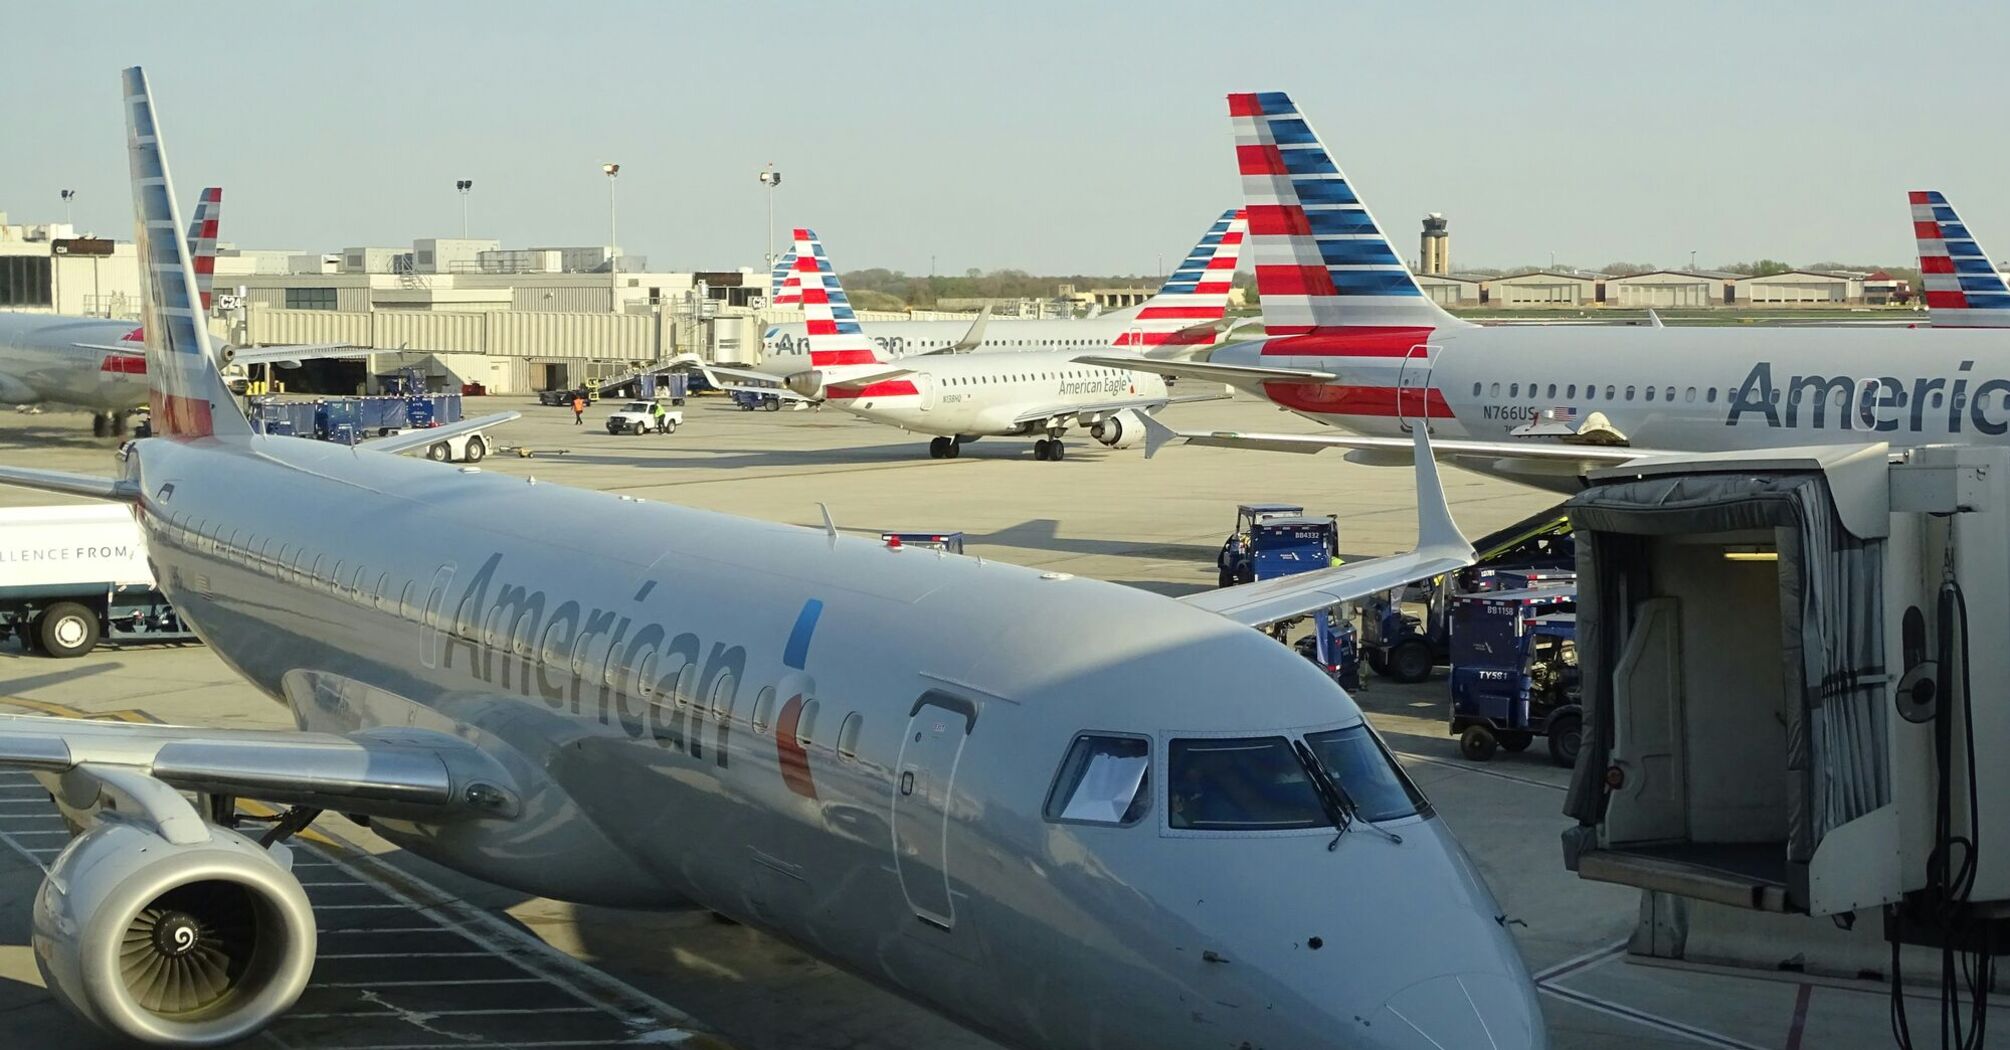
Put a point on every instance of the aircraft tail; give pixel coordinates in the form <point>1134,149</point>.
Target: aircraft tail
<point>835,337</point>
<point>785,289</point>
<point>1322,261</point>
<point>1962,288</point>
<point>202,241</point>
<point>1197,291</point>
<point>188,396</point>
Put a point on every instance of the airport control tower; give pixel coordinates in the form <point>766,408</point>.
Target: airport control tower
<point>1435,252</point>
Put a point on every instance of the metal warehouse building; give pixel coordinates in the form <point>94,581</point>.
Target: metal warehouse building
<point>1667,289</point>
<point>1543,288</point>
<point>1798,288</point>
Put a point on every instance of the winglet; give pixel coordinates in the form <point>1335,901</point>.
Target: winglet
<point>1157,435</point>
<point>1436,531</point>
<point>973,338</point>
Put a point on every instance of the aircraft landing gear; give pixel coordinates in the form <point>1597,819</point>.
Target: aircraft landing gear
<point>101,424</point>
<point>1050,449</point>
<point>944,448</point>
<point>119,423</point>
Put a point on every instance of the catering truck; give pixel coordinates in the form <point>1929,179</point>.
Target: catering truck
<point>73,576</point>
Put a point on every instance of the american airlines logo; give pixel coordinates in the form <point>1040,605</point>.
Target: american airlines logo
<point>595,663</point>
<point>1881,404</point>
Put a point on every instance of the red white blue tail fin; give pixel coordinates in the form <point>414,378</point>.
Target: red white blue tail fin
<point>784,288</point>
<point>202,241</point>
<point>1962,288</point>
<point>834,334</point>
<point>188,396</point>
<point>1321,259</point>
<point>1196,293</point>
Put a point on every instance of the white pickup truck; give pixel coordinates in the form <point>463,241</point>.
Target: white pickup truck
<point>72,576</point>
<point>643,417</point>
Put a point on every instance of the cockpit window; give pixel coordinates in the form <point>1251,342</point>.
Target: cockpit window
<point>1241,784</point>
<point>1369,776</point>
<point>1104,780</point>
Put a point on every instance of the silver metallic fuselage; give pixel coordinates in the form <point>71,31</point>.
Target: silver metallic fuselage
<point>41,361</point>
<point>371,590</point>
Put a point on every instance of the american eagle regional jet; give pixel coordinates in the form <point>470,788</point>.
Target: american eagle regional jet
<point>1015,798</point>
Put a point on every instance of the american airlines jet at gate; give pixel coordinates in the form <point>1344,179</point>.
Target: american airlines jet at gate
<point>1013,797</point>
<point>1961,285</point>
<point>1187,310</point>
<point>1354,342</point>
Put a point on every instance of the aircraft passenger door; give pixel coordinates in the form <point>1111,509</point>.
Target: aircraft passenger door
<point>1413,386</point>
<point>1647,733</point>
<point>922,799</point>
<point>925,389</point>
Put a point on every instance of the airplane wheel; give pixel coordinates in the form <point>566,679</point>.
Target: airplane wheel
<point>100,426</point>
<point>1566,735</point>
<point>1057,451</point>
<point>439,452</point>
<point>67,629</point>
<point>477,449</point>
<point>1477,743</point>
<point>954,450</point>
<point>938,448</point>
<point>119,421</point>
<point>1040,448</point>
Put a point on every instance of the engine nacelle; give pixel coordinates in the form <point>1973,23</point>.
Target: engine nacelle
<point>809,383</point>
<point>173,943</point>
<point>1121,430</point>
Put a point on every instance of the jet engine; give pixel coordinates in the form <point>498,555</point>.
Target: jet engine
<point>169,941</point>
<point>1121,430</point>
<point>809,383</point>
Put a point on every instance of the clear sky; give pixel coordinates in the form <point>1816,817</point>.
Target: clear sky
<point>1051,137</point>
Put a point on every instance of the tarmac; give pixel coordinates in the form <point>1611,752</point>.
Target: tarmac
<point>414,956</point>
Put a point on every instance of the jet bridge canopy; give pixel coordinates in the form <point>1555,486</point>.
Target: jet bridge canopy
<point>1731,627</point>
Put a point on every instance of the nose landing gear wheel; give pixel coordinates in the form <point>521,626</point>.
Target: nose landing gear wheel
<point>1478,743</point>
<point>938,448</point>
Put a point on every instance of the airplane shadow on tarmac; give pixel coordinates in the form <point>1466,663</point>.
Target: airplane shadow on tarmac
<point>905,454</point>
<point>1043,534</point>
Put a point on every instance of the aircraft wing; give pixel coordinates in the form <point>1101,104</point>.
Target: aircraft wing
<point>412,439</point>
<point>972,339</point>
<point>385,772</point>
<point>291,356</point>
<point>1144,405</point>
<point>1440,549</point>
<point>92,486</point>
<point>1553,454</point>
<point>1209,371</point>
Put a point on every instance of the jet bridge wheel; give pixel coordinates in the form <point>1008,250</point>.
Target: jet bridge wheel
<point>67,629</point>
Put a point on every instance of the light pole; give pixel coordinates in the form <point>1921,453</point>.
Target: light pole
<point>772,179</point>
<point>1692,260</point>
<point>464,185</point>
<point>68,196</point>
<point>613,172</point>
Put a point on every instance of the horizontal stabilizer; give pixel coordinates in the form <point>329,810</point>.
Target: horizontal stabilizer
<point>1440,549</point>
<point>1560,454</point>
<point>416,439</point>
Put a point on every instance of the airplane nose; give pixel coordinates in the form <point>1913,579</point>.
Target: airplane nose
<point>1480,1011</point>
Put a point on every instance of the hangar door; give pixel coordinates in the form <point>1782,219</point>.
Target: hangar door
<point>936,730</point>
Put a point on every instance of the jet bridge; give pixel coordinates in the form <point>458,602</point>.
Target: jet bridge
<point>1794,668</point>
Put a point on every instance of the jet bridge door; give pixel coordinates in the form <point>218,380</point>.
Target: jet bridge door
<point>937,728</point>
<point>1647,734</point>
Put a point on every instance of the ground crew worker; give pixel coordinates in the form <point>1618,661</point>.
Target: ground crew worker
<point>656,415</point>
<point>578,410</point>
